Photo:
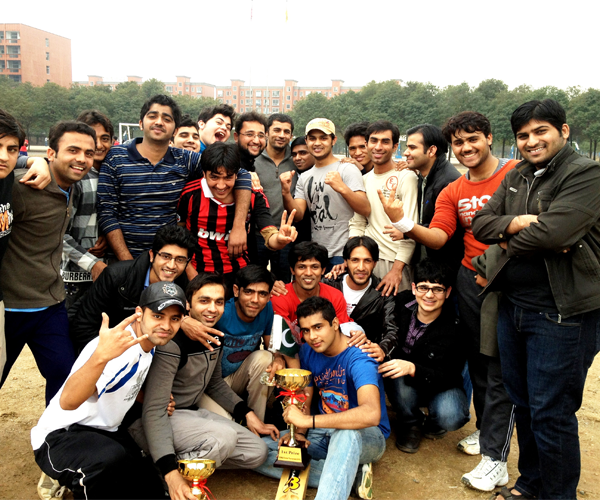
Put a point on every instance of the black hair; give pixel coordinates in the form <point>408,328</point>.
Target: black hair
<point>201,280</point>
<point>221,109</point>
<point>61,128</point>
<point>280,117</point>
<point>432,136</point>
<point>434,272</point>
<point>254,274</point>
<point>356,129</point>
<point>307,250</point>
<point>94,117</point>
<point>187,121</point>
<point>547,110</point>
<point>221,154</point>
<point>361,241</point>
<point>162,100</point>
<point>250,116</point>
<point>298,141</point>
<point>173,235</point>
<point>9,126</point>
<point>314,305</point>
<point>467,121</point>
<point>382,126</point>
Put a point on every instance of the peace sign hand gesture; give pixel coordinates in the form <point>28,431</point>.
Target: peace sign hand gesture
<point>287,233</point>
<point>391,206</point>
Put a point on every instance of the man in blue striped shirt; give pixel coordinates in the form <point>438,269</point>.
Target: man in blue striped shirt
<point>141,182</point>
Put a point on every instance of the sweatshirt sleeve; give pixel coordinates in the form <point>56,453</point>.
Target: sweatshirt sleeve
<point>157,393</point>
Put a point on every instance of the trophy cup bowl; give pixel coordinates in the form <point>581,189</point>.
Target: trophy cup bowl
<point>197,471</point>
<point>292,380</point>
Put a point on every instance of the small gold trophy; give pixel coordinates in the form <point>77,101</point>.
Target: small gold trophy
<point>197,471</point>
<point>293,381</point>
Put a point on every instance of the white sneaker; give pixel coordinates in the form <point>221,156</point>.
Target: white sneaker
<point>487,475</point>
<point>49,488</point>
<point>470,444</point>
<point>364,489</point>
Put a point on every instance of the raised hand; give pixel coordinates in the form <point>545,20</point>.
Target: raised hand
<point>391,206</point>
<point>287,233</point>
<point>334,179</point>
<point>286,182</point>
<point>115,341</point>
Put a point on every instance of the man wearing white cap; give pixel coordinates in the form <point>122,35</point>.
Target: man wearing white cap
<point>332,191</point>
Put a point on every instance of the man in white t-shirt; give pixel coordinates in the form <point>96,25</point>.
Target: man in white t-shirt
<point>332,191</point>
<point>394,256</point>
<point>79,440</point>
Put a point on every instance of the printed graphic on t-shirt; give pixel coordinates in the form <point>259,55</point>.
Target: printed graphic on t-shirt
<point>320,205</point>
<point>6,219</point>
<point>333,390</point>
<point>468,207</point>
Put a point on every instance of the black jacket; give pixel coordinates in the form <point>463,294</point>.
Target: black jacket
<point>374,313</point>
<point>441,174</point>
<point>116,292</point>
<point>566,198</point>
<point>438,354</point>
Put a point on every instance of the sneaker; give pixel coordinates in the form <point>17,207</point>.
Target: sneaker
<point>49,488</point>
<point>408,439</point>
<point>365,487</point>
<point>470,444</point>
<point>487,475</point>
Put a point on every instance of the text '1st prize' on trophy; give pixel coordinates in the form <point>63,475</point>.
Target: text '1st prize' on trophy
<point>197,472</point>
<point>293,381</point>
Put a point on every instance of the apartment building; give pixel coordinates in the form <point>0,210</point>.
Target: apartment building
<point>31,55</point>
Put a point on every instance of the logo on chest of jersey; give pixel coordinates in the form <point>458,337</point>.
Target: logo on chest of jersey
<point>472,203</point>
<point>213,235</point>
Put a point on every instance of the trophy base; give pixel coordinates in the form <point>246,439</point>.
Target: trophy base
<point>293,458</point>
<point>293,484</point>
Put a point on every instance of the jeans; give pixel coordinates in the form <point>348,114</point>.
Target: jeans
<point>336,455</point>
<point>545,360</point>
<point>447,409</point>
<point>280,266</point>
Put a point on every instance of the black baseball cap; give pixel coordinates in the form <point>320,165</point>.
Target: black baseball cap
<point>159,296</point>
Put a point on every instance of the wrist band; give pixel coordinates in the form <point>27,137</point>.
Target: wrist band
<point>404,225</point>
<point>313,421</point>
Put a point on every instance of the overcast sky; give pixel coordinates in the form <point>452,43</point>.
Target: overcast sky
<point>263,42</point>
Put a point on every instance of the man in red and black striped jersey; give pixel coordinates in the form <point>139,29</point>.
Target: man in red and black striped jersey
<point>207,209</point>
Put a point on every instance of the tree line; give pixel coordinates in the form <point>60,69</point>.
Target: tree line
<point>406,105</point>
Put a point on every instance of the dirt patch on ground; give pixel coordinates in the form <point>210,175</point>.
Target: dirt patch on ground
<point>432,473</point>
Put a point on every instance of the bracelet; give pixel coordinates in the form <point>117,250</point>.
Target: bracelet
<point>313,421</point>
<point>404,225</point>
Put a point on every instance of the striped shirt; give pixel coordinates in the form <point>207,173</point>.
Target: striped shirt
<point>139,198</point>
<point>211,221</point>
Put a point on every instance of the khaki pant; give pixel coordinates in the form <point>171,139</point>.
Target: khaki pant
<point>246,377</point>
<point>385,266</point>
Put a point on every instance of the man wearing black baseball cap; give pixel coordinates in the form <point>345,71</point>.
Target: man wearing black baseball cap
<point>79,440</point>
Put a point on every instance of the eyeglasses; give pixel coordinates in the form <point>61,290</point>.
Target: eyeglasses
<point>252,135</point>
<point>437,290</point>
<point>169,257</point>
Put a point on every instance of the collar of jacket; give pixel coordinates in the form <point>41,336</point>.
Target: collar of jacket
<point>525,167</point>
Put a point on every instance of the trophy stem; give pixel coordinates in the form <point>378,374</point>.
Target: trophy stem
<point>293,442</point>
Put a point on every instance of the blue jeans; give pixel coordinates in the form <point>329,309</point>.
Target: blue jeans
<point>336,455</point>
<point>545,360</point>
<point>447,409</point>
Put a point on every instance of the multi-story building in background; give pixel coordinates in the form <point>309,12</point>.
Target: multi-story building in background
<point>274,99</point>
<point>31,55</point>
<point>264,98</point>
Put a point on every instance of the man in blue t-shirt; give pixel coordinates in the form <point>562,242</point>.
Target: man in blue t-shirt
<point>247,319</point>
<point>349,431</point>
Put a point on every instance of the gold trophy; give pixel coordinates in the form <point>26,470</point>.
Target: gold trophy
<point>293,381</point>
<point>197,471</point>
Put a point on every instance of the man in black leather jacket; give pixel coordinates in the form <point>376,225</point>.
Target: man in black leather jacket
<point>118,289</point>
<point>366,305</point>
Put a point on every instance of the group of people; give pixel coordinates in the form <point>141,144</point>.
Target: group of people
<point>159,283</point>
